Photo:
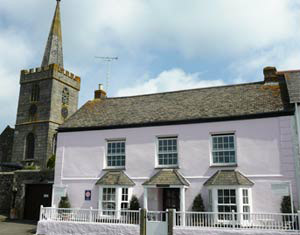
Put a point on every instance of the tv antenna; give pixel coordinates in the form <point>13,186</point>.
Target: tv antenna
<point>107,60</point>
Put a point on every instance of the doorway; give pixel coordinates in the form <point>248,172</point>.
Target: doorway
<point>35,196</point>
<point>171,199</point>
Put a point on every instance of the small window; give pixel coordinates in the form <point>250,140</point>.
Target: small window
<point>223,149</point>
<point>125,199</point>
<point>167,151</point>
<point>65,96</point>
<point>35,92</point>
<point>109,201</point>
<point>29,153</point>
<point>116,153</point>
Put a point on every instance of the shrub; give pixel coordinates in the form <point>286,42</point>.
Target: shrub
<point>198,203</point>
<point>286,205</point>
<point>64,202</point>
<point>51,162</point>
<point>134,203</point>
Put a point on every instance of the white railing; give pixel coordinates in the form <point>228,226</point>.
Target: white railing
<point>157,216</point>
<point>270,221</point>
<point>90,215</point>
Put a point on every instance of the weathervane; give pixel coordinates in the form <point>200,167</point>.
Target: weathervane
<point>108,61</point>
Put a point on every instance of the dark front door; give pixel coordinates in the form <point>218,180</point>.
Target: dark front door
<point>171,199</point>
<point>35,196</point>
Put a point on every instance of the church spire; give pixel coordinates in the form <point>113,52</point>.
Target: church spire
<point>54,52</point>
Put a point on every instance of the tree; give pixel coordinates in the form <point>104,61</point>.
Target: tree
<point>64,202</point>
<point>134,203</point>
<point>198,203</point>
<point>51,162</point>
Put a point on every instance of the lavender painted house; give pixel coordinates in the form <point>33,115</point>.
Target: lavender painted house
<point>236,145</point>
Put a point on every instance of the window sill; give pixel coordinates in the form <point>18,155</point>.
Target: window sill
<point>167,167</point>
<point>224,165</point>
<point>114,169</point>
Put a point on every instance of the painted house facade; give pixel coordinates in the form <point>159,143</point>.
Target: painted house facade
<point>236,145</point>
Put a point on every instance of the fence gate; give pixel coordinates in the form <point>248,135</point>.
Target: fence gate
<point>157,223</point>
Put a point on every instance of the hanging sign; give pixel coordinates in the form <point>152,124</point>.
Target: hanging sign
<point>87,195</point>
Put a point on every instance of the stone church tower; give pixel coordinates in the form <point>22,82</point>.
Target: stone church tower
<point>48,95</point>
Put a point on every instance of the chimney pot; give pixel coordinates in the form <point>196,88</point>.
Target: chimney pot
<point>100,93</point>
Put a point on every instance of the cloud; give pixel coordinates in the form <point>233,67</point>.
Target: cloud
<point>14,56</point>
<point>170,80</point>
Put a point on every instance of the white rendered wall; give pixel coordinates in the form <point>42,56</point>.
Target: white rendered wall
<point>264,150</point>
<point>69,228</point>
<point>195,231</point>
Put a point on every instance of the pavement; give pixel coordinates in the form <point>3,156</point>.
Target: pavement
<point>17,227</point>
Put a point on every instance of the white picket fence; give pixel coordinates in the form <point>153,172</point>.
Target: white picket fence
<point>89,215</point>
<point>232,220</point>
<point>267,221</point>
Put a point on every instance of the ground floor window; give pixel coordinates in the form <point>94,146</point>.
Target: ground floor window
<point>114,199</point>
<point>230,199</point>
<point>124,201</point>
<point>108,201</point>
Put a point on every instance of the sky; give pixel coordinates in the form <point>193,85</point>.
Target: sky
<point>161,45</point>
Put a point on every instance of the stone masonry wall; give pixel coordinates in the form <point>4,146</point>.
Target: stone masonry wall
<point>6,184</point>
<point>24,177</point>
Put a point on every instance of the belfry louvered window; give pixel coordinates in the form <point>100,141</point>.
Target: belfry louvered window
<point>35,92</point>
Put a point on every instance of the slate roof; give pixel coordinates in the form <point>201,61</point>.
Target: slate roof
<point>292,79</point>
<point>167,177</point>
<point>228,177</point>
<point>198,105</point>
<point>115,178</point>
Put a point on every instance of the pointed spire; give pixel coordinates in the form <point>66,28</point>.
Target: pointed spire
<point>53,51</point>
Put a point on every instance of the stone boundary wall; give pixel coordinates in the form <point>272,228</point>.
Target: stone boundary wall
<point>69,228</point>
<point>6,185</point>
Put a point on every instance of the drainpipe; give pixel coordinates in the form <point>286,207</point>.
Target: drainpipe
<point>297,155</point>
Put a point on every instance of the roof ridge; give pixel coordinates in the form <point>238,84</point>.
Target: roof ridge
<point>186,90</point>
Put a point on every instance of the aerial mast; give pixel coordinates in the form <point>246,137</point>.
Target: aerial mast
<point>108,60</point>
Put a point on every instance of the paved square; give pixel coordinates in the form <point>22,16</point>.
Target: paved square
<point>17,228</point>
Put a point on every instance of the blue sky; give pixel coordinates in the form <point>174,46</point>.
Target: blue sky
<point>162,45</point>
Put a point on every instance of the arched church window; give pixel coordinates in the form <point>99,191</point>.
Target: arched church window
<point>65,96</point>
<point>35,92</point>
<point>30,142</point>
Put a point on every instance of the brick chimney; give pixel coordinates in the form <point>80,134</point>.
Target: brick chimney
<point>100,93</point>
<point>270,74</point>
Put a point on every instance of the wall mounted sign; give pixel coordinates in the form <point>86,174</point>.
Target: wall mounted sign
<point>87,195</point>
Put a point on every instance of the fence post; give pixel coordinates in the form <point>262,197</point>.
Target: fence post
<point>299,220</point>
<point>143,220</point>
<point>41,209</point>
<point>170,221</point>
<point>91,218</point>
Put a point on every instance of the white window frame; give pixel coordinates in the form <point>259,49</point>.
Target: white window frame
<point>106,211</point>
<point>106,153</point>
<point>239,198</point>
<point>118,198</point>
<point>157,151</point>
<point>227,133</point>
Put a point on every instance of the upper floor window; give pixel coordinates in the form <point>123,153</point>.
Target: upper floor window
<point>35,92</point>
<point>29,152</point>
<point>167,151</point>
<point>65,96</point>
<point>116,153</point>
<point>223,149</point>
